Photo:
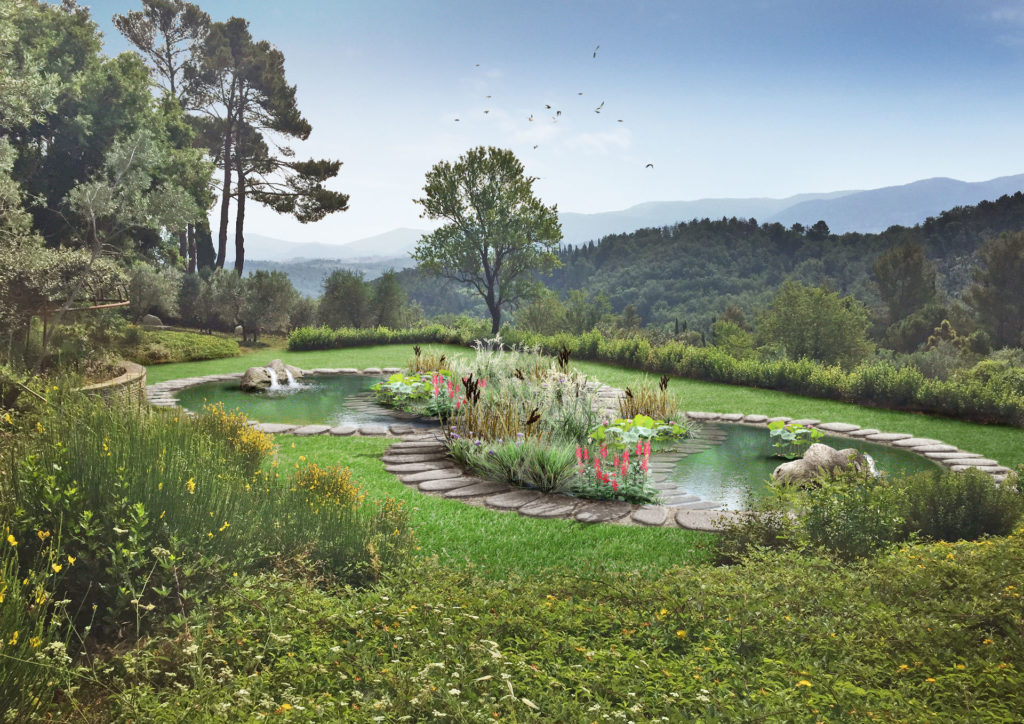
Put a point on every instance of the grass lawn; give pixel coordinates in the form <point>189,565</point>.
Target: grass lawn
<point>500,544</point>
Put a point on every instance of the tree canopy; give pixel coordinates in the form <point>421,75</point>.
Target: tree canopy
<point>497,233</point>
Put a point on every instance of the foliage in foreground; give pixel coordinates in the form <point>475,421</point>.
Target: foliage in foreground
<point>927,633</point>
<point>142,514</point>
<point>856,515</point>
<point>970,395</point>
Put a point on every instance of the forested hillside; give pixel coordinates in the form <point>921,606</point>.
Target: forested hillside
<point>691,271</point>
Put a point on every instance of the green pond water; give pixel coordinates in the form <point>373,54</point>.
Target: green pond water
<point>328,400</point>
<point>742,464</point>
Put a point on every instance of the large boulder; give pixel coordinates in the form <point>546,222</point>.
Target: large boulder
<point>258,378</point>
<point>820,461</point>
<point>151,320</point>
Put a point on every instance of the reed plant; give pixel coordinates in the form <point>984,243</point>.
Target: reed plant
<point>650,400</point>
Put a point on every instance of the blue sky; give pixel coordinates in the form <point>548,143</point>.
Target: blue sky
<point>726,98</point>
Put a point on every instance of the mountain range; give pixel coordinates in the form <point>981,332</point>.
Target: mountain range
<point>865,211</point>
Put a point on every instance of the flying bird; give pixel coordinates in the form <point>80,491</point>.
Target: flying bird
<point>580,93</point>
<point>598,109</point>
<point>477,65</point>
<point>547,106</point>
<point>650,165</point>
<point>535,148</point>
<point>488,96</point>
<point>531,118</point>
<point>486,111</point>
<point>595,51</point>
<point>557,114</point>
<point>620,120</point>
<point>456,120</point>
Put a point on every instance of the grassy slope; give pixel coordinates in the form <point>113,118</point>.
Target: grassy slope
<point>1005,444</point>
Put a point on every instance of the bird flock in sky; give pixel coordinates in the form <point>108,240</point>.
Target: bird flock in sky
<point>557,112</point>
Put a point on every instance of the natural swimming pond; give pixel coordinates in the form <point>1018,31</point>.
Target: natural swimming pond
<point>726,463</point>
<point>327,400</point>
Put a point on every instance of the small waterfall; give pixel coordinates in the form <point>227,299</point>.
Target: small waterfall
<point>871,466</point>
<point>274,384</point>
<point>291,379</point>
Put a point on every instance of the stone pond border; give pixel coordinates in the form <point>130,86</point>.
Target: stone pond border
<point>419,460</point>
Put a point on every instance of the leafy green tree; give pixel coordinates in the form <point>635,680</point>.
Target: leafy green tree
<point>996,295</point>
<point>497,233</point>
<point>389,300</point>
<point>544,314</point>
<point>225,298</point>
<point>153,291</point>
<point>583,311</point>
<point>267,303</point>
<point>905,279</point>
<point>345,301</point>
<point>303,313</point>
<point>816,323</point>
<point>732,339</point>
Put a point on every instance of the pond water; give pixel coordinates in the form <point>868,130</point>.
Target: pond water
<point>725,463</point>
<point>328,400</point>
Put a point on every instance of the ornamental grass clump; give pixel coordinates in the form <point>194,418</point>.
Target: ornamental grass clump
<point>646,399</point>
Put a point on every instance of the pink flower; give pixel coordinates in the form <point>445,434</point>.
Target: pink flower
<point>643,465</point>
<point>586,454</point>
<point>579,455</point>
<point>638,447</point>
<point>615,486</point>
<point>483,383</point>
<point>647,448</point>
<point>604,451</point>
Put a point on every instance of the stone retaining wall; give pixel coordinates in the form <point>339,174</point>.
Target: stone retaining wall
<point>128,388</point>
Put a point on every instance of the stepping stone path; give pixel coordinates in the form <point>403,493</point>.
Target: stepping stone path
<point>420,459</point>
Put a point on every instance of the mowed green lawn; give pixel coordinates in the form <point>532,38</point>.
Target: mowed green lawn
<point>1003,443</point>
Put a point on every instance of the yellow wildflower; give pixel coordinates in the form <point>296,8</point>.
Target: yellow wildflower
<point>681,634</point>
<point>191,485</point>
<point>56,567</point>
<point>71,560</point>
<point>35,641</point>
<point>14,639</point>
<point>43,534</point>
<point>39,426</point>
<point>11,540</point>
<point>803,682</point>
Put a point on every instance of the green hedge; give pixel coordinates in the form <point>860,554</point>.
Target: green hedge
<point>877,384</point>
<point>159,346</point>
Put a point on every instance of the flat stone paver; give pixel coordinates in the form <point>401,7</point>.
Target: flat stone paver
<point>484,487</point>
<point>864,432</point>
<point>915,442</point>
<point>732,416</point>
<point>343,430</point>
<point>779,419</point>
<point>970,462</point>
<point>680,499</point>
<point>419,467</point>
<point>391,370</point>
<point>513,500</point>
<point>390,458</point>
<point>446,484</point>
<point>431,475</point>
<point>307,430</point>
<point>755,418</point>
<point>373,371</point>
<point>602,511</point>
<point>551,506</point>
<point>938,448</point>
<point>805,421</point>
<point>838,427</point>
<point>663,484</point>
<point>704,415</point>
<point>275,428</point>
<point>373,430</point>
<point>887,436</point>
<point>705,520</point>
<point>650,515</point>
<point>702,505</point>
<point>407,444</point>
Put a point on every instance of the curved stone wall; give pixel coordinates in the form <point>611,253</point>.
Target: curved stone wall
<point>128,388</point>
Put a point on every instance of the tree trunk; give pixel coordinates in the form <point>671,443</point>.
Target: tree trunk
<point>191,248</point>
<point>240,221</point>
<point>225,201</point>
<point>183,248</point>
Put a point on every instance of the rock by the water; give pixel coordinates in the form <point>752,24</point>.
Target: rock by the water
<point>819,460</point>
<point>258,378</point>
<point>239,330</point>
<point>151,320</point>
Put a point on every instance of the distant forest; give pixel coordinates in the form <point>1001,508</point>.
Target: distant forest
<point>689,273</point>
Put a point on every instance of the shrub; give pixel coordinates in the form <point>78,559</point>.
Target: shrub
<point>159,346</point>
<point>656,402</point>
<point>961,506</point>
<point>853,515</point>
